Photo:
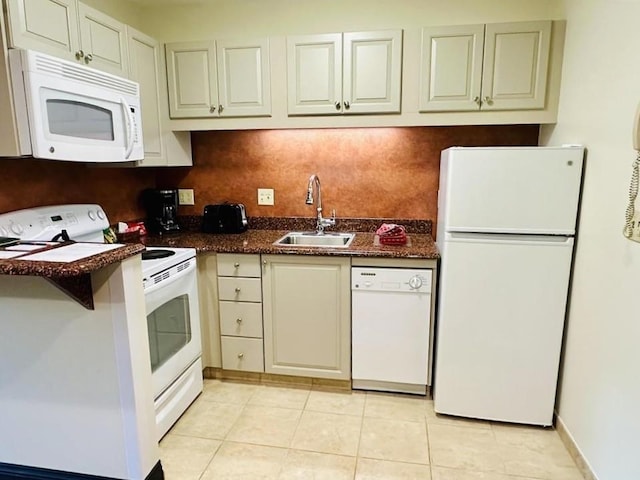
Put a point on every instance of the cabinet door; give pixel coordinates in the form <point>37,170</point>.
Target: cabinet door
<point>451,68</point>
<point>314,74</point>
<point>372,65</point>
<point>49,26</point>
<point>144,59</point>
<point>516,60</point>
<point>191,75</point>
<point>103,40</point>
<point>244,78</point>
<point>244,354</point>
<point>162,147</point>
<point>307,313</point>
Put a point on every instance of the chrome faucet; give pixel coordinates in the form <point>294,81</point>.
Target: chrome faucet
<point>321,222</point>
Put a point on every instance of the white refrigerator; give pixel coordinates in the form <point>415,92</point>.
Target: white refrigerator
<point>506,221</point>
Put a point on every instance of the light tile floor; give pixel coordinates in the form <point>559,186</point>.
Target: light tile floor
<point>243,431</point>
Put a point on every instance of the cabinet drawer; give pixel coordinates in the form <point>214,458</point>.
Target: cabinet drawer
<point>241,319</point>
<point>238,265</point>
<point>240,289</point>
<point>242,354</point>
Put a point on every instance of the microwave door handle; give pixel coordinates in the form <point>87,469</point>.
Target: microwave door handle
<point>128,114</point>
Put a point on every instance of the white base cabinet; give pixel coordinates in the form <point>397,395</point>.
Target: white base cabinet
<point>307,316</point>
<point>240,307</point>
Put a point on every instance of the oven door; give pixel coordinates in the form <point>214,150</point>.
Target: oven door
<point>173,321</point>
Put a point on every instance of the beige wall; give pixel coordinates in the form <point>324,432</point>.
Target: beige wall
<point>123,10</point>
<point>224,18</point>
<point>600,390</point>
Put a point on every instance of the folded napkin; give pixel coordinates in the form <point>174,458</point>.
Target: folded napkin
<point>392,234</point>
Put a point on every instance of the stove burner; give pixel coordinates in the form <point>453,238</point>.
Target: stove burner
<point>154,254</point>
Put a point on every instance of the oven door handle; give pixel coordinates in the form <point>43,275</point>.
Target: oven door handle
<point>173,278</point>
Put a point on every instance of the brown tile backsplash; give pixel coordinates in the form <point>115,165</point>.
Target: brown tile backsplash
<point>28,182</point>
<point>365,172</point>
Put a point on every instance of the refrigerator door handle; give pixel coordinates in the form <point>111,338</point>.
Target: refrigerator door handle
<point>551,240</point>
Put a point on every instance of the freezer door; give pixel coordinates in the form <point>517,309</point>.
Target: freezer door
<point>515,190</point>
<point>500,320</point>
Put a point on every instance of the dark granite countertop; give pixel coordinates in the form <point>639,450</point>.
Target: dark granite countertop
<point>15,266</point>
<point>258,239</point>
<point>264,231</point>
<point>261,241</point>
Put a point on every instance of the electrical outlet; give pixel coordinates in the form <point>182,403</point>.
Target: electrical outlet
<point>185,196</point>
<point>265,196</point>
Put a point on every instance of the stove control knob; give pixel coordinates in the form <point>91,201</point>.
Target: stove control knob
<point>415,282</point>
<point>92,215</point>
<point>101,215</point>
<point>17,228</point>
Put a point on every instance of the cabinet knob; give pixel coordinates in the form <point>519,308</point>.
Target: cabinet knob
<point>240,355</point>
<point>220,108</point>
<point>88,57</point>
<point>337,105</point>
<point>347,105</point>
<point>212,109</point>
<point>238,321</point>
<point>236,265</point>
<point>488,100</point>
<point>237,289</point>
<point>477,101</point>
<point>79,54</point>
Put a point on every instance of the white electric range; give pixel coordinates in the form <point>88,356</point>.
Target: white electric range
<point>170,288</point>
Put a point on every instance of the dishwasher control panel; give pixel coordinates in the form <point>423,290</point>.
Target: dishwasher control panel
<point>391,279</point>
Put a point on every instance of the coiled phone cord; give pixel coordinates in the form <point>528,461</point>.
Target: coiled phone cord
<point>633,193</point>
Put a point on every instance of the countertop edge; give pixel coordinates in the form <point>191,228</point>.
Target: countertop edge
<point>15,266</point>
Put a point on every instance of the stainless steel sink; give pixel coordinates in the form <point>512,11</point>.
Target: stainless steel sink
<point>313,239</point>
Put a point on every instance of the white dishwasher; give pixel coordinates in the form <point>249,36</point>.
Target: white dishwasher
<point>390,322</point>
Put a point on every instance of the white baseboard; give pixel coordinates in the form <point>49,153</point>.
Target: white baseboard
<point>574,451</point>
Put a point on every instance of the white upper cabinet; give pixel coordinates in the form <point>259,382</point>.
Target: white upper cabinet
<point>314,73</point>
<point>372,71</point>
<point>516,59</point>
<point>219,79</point>
<point>103,41</point>
<point>346,73</point>
<point>191,76</point>
<point>49,26</point>
<point>451,70</point>
<point>70,30</point>
<point>244,86</point>
<point>485,67</point>
<point>162,147</point>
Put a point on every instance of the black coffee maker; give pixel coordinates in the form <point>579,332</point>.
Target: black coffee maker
<point>162,210</point>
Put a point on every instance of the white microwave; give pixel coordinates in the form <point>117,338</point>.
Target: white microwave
<point>71,112</point>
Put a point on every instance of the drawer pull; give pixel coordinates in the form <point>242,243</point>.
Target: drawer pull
<point>238,321</point>
<point>236,265</point>
<point>240,355</point>
<point>237,289</point>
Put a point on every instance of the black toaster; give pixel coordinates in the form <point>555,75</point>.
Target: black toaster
<point>224,218</point>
